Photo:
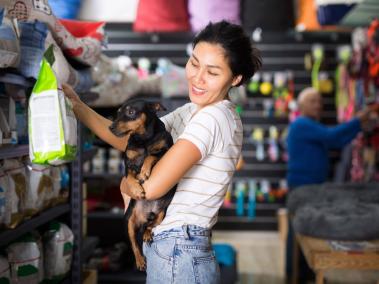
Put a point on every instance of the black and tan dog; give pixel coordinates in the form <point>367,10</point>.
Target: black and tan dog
<point>147,143</point>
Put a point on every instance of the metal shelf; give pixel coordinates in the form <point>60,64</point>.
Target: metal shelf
<point>13,151</point>
<point>16,80</point>
<point>44,217</point>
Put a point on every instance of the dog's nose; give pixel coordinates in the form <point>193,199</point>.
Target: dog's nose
<point>112,127</point>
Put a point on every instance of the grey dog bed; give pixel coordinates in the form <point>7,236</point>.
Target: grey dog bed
<point>336,211</point>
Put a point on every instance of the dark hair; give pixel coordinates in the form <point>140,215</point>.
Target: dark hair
<point>244,59</point>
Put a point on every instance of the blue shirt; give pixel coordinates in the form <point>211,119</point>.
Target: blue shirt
<point>308,144</point>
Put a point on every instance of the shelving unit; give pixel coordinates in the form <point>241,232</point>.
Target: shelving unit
<point>44,217</point>
<point>73,208</point>
<point>13,151</point>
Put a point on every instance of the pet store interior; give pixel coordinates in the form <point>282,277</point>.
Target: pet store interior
<point>61,210</point>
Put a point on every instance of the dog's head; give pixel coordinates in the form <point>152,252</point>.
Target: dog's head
<point>134,116</point>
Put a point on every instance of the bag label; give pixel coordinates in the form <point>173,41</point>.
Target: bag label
<point>45,121</point>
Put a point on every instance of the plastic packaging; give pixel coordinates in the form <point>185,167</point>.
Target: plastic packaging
<point>59,242</point>
<point>5,273</point>
<point>52,123</point>
<point>24,258</point>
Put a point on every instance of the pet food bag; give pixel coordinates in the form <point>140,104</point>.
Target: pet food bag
<point>62,189</point>
<point>59,242</point>
<point>9,43</point>
<point>24,257</point>
<point>52,123</point>
<point>41,270</point>
<point>15,194</point>
<point>57,180</point>
<point>5,273</point>
<point>40,191</point>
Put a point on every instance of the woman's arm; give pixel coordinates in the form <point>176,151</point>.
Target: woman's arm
<point>94,121</point>
<point>168,170</point>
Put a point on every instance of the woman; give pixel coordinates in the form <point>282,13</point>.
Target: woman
<point>208,137</point>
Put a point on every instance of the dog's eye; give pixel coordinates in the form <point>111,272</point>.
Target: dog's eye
<point>131,112</point>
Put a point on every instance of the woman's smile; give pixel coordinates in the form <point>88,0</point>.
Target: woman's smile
<point>198,91</point>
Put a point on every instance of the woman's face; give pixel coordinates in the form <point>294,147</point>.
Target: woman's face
<point>208,74</point>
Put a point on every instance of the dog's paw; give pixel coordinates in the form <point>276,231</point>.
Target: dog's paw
<point>143,176</point>
<point>141,263</point>
<point>147,236</point>
<point>138,193</point>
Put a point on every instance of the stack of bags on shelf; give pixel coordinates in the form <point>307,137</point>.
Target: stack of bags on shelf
<point>39,258</point>
<point>27,189</point>
<point>29,27</point>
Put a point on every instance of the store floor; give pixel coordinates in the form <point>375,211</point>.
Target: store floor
<point>259,255</point>
<point>260,259</point>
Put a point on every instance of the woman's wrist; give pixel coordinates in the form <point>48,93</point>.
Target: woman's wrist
<point>79,109</point>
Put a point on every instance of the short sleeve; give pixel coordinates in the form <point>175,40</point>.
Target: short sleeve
<point>169,119</point>
<point>204,132</point>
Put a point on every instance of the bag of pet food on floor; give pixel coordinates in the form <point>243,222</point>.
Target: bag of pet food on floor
<point>59,242</point>
<point>5,273</point>
<point>15,194</point>
<point>24,258</point>
<point>52,123</point>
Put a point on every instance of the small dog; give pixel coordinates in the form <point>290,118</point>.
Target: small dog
<point>147,143</point>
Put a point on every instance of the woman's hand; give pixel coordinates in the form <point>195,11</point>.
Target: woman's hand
<point>71,94</point>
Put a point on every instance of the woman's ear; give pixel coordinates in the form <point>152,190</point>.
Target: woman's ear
<point>236,80</point>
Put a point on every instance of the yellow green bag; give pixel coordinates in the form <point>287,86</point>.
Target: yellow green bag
<point>52,123</point>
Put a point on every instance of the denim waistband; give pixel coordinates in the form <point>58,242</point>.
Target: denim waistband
<point>185,231</point>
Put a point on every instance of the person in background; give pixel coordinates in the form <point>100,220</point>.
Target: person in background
<point>308,145</point>
<point>208,135</point>
<point>309,141</point>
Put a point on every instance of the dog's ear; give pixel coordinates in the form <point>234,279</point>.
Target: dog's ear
<point>156,107</point>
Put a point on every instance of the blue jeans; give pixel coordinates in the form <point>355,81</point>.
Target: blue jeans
<point>181,255</point>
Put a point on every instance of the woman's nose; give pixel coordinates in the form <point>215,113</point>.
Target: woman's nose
<point>199,76</point>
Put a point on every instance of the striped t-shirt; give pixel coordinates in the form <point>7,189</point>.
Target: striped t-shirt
<point>217,132</point>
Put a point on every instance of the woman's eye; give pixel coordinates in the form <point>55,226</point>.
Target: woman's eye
<point>193,64</point>
<point>212,74</point>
